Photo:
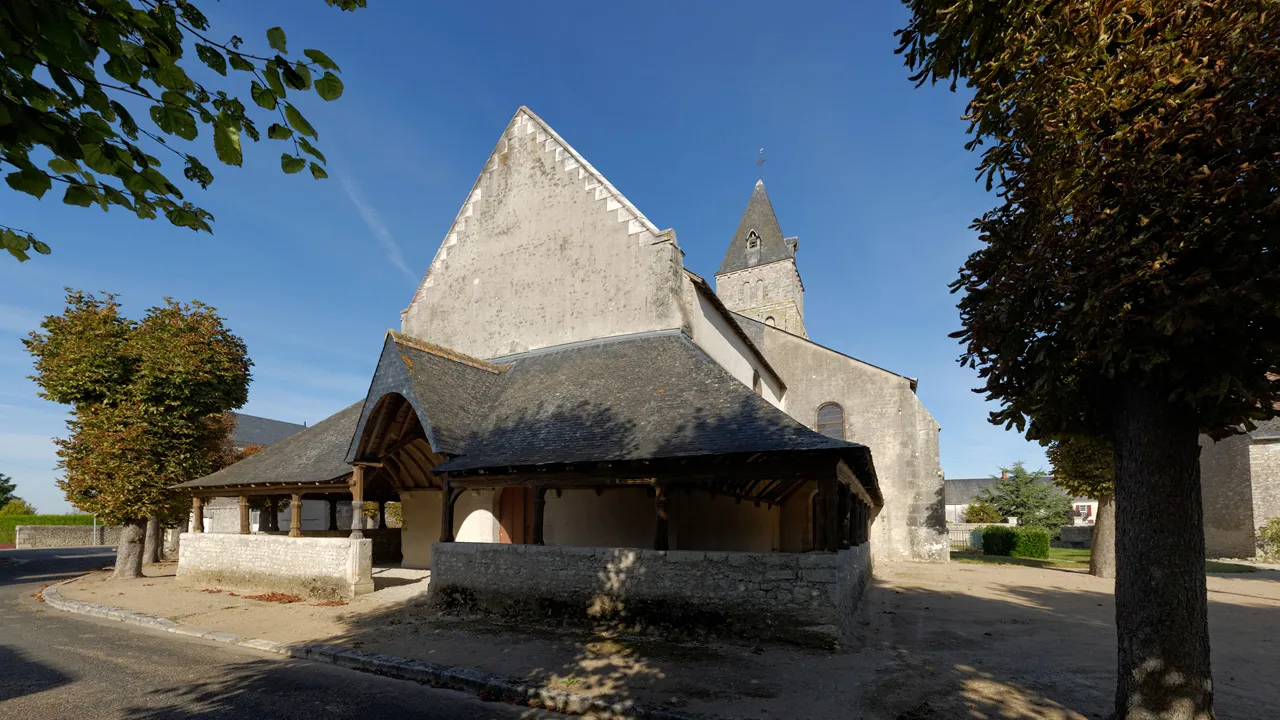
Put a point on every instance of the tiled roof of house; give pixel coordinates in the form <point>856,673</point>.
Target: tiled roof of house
<point>254,430</point>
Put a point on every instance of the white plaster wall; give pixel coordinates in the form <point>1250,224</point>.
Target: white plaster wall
<point>475,517</point>
<point>620,517</point>
<point>542,254</point>
<point>717,336</point>
<point>704,522</point>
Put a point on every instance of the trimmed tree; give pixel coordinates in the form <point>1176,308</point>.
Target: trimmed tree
<point>148,400</point>
<point>1084,467</point>
<point>1028,496</point>
<point>1128,285</point>
<point>74,70</point>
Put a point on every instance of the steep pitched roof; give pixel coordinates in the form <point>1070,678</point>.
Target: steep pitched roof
<point>755,330</point>
<point>760,219</point>
<point>314,455</point>
<point>254,430</point>
<point>651,395</point>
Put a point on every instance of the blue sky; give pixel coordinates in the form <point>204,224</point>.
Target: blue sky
<point>670,100</point>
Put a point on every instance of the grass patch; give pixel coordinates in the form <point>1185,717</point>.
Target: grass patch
<point>9,522</point>
<point>1075,559</point>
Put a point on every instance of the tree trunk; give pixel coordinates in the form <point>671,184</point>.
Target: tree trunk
<point>1102,560</point>
<point>129,554</point>
<point>152,542</point>
<point>1161,603</point>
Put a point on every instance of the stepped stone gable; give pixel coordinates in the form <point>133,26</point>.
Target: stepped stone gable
<point>544,251</point>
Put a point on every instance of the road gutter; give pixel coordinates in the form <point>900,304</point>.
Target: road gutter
<point>484,685</point>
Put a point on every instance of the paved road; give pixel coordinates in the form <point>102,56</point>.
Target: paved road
<point>56,665</point>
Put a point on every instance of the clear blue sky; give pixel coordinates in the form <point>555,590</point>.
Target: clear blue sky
<point>670,100</point>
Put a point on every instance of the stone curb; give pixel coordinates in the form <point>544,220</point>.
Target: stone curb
<point>485,685</point>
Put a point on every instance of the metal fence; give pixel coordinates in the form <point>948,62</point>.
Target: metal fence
<point>964,539</point>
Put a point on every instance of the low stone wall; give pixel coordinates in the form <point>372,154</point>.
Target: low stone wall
<point>809,597</point>
<point>1075,536</point>
<point>323,568</point>
<point>34,537</point>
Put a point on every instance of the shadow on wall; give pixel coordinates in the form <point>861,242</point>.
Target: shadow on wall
<point>20,675</point>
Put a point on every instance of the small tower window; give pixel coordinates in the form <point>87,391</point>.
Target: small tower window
<point>770,321</point>
<point>830,421</point>
<point>753,240</point>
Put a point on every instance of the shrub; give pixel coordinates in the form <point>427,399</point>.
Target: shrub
<point>1269,540</point>
<point>998,539</point>
<point>1031,542</point>
<point>981,511</point>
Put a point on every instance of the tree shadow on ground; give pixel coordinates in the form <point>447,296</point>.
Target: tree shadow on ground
<point>19,675</point>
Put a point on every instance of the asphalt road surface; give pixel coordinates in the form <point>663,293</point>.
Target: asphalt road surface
<point>58,665</point>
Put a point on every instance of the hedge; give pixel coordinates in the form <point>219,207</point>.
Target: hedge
<point>1027,542</point>
<point>9,522</point>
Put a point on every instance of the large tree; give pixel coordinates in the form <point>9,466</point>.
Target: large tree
<point>1029,496</point>
<point>74,72</point>
<point>1128,286</point>
<point>7,486</point>
<point>148,403</point>
<point>1084,466</point>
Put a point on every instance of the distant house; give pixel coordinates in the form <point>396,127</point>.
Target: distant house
<point>960,492</point>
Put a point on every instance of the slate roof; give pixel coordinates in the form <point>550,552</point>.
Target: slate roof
<point>316,454</point>
<point>962,491</point>
<point>254,430</point>
<point>758,216</point>
<point>642,396</point>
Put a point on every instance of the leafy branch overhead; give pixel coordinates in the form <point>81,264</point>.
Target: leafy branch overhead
<point>77,78</point>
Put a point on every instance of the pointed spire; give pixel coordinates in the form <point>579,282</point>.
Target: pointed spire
<point>758,239</point>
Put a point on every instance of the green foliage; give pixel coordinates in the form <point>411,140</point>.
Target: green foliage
<point>1028,496</point>
<point>74,71</point>
<point>18,506</point>
<point>1134,149</point>
<point>149,401</point>
<point>1082,465</point>
<point>998,539</point>
<point>1269,540</point>
<point>981,511</point>
<point>7,486</point>
<point>1031,542</point>
<point>1025,542</point>
<point>9,522</point>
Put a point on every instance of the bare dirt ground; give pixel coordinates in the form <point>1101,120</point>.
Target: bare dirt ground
<point>936,642</point>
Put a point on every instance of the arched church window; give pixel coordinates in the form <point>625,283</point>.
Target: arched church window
<point>753,240</point>
<point>830,421</point>
<point>760,291</point>
<point>770,321</point>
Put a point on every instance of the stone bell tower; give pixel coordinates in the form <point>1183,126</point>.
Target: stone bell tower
<point>758,277</point>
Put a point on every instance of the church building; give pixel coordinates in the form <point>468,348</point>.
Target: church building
<point>566,411</point>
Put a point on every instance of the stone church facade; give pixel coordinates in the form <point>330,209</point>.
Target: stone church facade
<point>564,394</point>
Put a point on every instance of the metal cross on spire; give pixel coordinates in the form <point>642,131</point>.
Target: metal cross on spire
<point>760,163</point>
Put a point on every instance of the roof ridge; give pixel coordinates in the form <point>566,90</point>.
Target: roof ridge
<point>446,353</point>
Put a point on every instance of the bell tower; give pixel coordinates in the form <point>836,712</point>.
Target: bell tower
<point>758,277</point>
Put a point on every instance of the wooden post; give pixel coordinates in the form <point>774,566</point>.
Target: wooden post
<point>827,522</point>
<point>197,514</point>
<point>446,512</point>
<point>357,502</point>
<point>295,515</point>
<point>660,504</point>
<point>244,514</point>
<point>844,516</point>
<point>270,511</point>
<point>333,514</point>
<point>382,514</point>
<point>539,513</point>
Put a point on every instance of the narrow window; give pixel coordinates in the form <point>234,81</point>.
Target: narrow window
<point>770,321</point>
<point>753,240</point>
<point>830,421</point>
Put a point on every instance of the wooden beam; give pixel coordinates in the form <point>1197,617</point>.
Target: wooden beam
<point>295,515</point>
<point>197,514</point>
<point>259,489</point>
<point>446,512</point>
<point>660,535</point>
<point>357,502</point>
<point>539,513</point>
<point>333,514</point>
<point>643,474</point>
<point>244,514</point>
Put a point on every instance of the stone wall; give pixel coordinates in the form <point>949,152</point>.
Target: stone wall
<point>34,537</point>
<point>1227,497</point>
<point>1264,472</point>
<point>766,291</point>
<point>323,568</point>
<point>808,597</point>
